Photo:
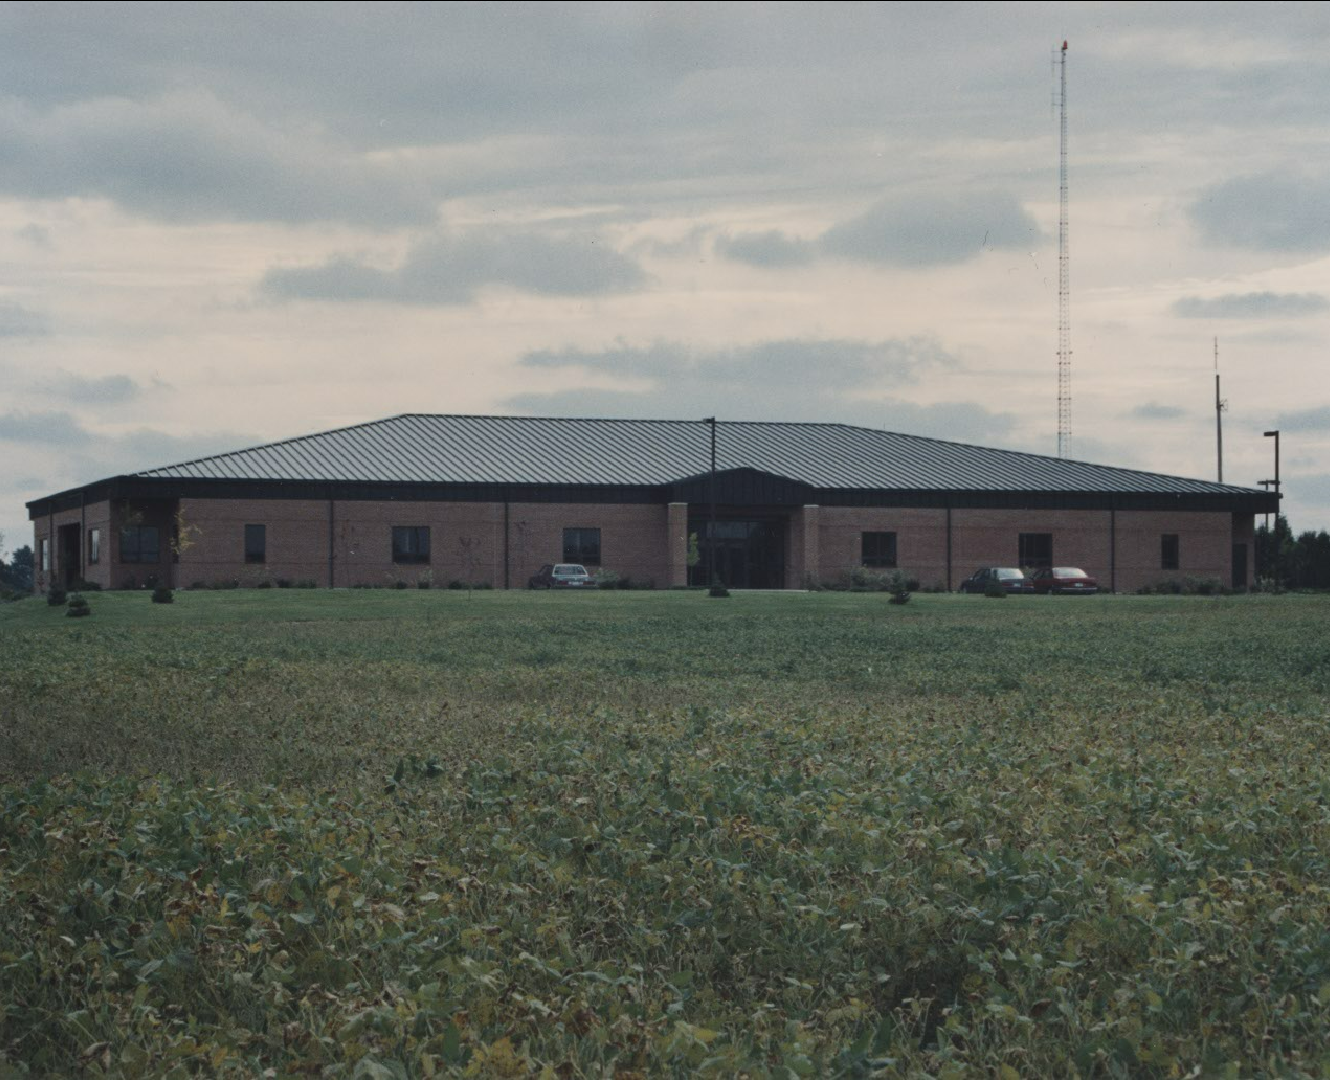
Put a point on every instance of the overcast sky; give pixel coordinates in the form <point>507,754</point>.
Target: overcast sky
<point>222,225</point>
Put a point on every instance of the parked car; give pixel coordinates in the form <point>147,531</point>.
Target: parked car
<point>1063,579</point>
<point>1009,577</point>
<point>562,576</point>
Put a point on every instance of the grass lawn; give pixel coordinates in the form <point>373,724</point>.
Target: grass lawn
<point>405,833</point>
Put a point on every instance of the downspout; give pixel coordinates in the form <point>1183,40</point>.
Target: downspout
<point>332,545</point>
<point>1112,544</point>
<point>505,544</point>
<point>948,543</point>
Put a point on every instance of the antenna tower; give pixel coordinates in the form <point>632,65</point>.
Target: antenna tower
<point>1220,406</point>
<point>1064,285</point>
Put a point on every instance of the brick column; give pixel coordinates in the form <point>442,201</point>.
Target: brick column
<point>812,554</point>
<point>677,544</point>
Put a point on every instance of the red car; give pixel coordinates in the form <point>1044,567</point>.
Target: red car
<point>1063,579</point>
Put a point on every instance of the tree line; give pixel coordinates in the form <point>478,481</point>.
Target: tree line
<point>1294,562</point>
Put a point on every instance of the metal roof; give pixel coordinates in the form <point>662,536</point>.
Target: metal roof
<point>429,448</point>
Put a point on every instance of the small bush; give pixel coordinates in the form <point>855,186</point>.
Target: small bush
<point>78,606</point>
<point>82,585</point>
<point>163,595</point>
<point>11,596</point>
<point>423,583</point>
<point>900,588</point>
<point>264,584</point>
<point>609,579</point>
<point>455,584</point>
<point>718,590</point>
<point>305,583</point>
<point>56,596</point>
<point>482,585</point>
<point>994,590</point>
<point>399,585</point>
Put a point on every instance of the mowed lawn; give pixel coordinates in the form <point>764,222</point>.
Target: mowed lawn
<point>413,833</point>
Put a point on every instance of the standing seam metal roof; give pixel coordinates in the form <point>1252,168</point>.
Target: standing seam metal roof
<point>432,448</point>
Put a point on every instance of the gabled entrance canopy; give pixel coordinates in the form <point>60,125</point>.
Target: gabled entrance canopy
<point>743,487</point>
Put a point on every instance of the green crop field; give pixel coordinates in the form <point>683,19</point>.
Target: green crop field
<point>400,834</point>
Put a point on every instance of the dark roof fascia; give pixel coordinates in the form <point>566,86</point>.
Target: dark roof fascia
<point>1198,502</point>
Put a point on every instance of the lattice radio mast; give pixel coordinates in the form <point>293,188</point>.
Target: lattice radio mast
<point>1064,285</point>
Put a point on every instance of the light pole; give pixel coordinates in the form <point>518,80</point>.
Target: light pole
<point>1274,562</point>
<point>711,516</point>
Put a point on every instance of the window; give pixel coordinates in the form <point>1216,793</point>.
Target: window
<point>94,546</point>
<point>410,543</point>
<point>581,546</point>
<point>256,543</point>
<point>1036,549</point>
<point>1168,551</point>
<point>879,549</point>
<point>45,564</point>
<point>140,544</point>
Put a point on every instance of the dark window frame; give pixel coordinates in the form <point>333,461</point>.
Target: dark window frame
<point>1029,554</point>
<point>582,545</point>
<point>134,550</point>
<point>94,546</point>
<point>411,545</point>
<point>1170,551</point>
<point>878,550</point>
<point>256,552</point>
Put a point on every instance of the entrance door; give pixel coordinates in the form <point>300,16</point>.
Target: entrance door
<point>1239,566</point>
<point>748,554</point>
<point>68,564</point>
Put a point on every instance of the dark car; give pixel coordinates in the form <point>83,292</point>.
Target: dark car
<point>1063,579</point>
<point>1009,577</point>
<point>562,576</point>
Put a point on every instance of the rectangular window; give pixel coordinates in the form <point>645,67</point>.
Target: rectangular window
<point>410,543</point>
<point>256,543</point>
<point>140,544</point>
<point>45,564</point>
<point>1168,551</point>
<point>94,546</point>
<point>1036,550</point>
<point>581,546</point>
<point>879,549</point>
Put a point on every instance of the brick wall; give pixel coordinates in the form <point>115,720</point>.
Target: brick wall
<point>921,540</point>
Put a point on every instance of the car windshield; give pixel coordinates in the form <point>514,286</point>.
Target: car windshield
<point>1067,571</point>
<point>1007,573</point>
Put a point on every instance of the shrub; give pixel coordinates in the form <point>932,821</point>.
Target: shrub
<point>306,583</point>
<point>609,579</point>
<point>455,584</point>
<point>482,585</point>
<point>197,585</point>
<point>994,590</point>
<point>11,596</point>
<point>163,595</point>
<point>78,606</point>
<point>264,584</point>
<point>82,585</point>
<point>718,590</point>
<point>423,583</point>
<point>283,582</point>
<point>56,596</point>
<point>399,584</point>
<point>900,588</point>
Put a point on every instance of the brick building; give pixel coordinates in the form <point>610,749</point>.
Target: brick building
<point>492,498</point>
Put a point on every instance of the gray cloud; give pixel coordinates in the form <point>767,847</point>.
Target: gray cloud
<point>1317,419</point>
<point>1275,211</point>
<point>773,249</point>
<point>918,231</point>
<point>845,381</point>
<point>1150,411</point>
<point>19,321</point>
<point>933,230</point>
<point>46,428</point>
<point>450,269</point>
<point>190,157</point>
<point>107,390</point>
<point>39,236</point>
<point>1257,305</point>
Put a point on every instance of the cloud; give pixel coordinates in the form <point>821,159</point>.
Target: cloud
<point>772,249</point>
<point>46,428</point>
<point>827,381</point>
<point>932,230</point>
<point>39,236</point>
<point>19,321</point>
<point>1150,411</point>
<point>904,231</point>
<point>1257,305</point>
<point>107,390</point>
<point>1317,419</point>
<point>451,269</point>
<point>190,157</point>
<point>1273,211</point>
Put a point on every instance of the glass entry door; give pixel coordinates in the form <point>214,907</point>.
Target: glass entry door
<point>748,554</point>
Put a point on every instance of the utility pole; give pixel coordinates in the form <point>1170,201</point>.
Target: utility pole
<point>1064,284</point>
<point>1220,406</point>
